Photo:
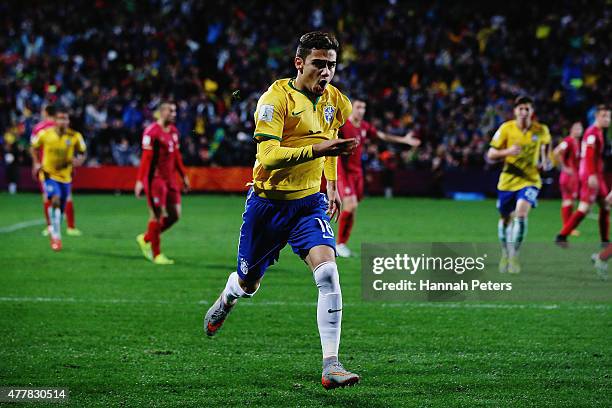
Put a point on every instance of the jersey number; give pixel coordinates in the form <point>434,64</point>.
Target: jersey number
<point>325,228</point>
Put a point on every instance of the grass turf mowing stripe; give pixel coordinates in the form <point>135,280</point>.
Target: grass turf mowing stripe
<point>451,305</point>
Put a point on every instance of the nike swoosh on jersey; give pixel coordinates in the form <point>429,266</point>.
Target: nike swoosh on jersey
<point>297,113</point>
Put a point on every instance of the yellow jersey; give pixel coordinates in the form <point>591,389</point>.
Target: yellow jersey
<point>521,171</point>
<point>58,152</point>
<point>293,118</point>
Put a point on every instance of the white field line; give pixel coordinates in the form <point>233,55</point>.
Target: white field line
<point>21,225</point>
<point>407,305</point>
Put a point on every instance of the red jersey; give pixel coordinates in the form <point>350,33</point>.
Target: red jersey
<point>591,155</point>
<point>352,163</point>
<point>571,153</point>
<point>40,126</point>
<point>168,157</point>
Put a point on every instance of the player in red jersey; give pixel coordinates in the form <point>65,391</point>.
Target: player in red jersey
<point>157,176</point>
<point>350,173</point>
<point>567,153</point>
<point>592,185</point>
<point>48,120</point>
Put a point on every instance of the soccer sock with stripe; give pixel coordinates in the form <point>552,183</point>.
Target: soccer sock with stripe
<point>604,224</point>
<point>345,226</point>
<point>329,309</point>
<point>55,216</point>
<point>566,213</point>
<point>519,231</point>
<point>502,234</point>
<point>69,214</point>
<point>572,223</point>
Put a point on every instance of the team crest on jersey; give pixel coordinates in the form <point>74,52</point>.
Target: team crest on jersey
<point>67,142</point>
<point>244,266</point>
<point>328,113</point>
<point>266,113</point>
<point>534,138</point>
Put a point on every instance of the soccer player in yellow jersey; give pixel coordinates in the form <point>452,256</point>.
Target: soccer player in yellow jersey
<point>297,122</point>
<point>524,146</point>
<point>62,148</point>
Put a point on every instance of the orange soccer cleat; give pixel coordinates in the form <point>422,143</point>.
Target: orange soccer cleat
<point>56,244</point>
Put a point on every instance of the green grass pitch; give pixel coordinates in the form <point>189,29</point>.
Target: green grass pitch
<point>118,331</point>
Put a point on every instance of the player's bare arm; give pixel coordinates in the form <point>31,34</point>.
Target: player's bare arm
<point>545,162</point>
<point>79,159</point>
<point>334,147</point>
<point>408,139</point>
<point>186,184</point>
<point>138,188</point>
<point>335,203</point>
<point>558,155</point>
<point>274,156</point>
<point>35,162</point>
<point>498,154</point>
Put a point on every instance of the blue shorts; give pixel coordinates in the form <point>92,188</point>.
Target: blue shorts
<point>55,188</point>
<point>506,201</point>
<point>268,225</point>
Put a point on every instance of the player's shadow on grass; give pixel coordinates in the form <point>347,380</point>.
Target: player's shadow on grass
<point>345,397</point>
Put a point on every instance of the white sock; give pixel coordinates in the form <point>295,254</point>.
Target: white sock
<point>329,307</point>
<point>519,231</point>
<point>55,219</point>
<point>233,291</point>
<point>502,234</point>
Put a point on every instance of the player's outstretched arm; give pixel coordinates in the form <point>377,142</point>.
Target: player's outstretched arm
<point>274,156</point>
<point>407,139</point>
<point>334,147</point>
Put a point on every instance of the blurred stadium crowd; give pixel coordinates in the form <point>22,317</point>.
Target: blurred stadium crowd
<point>447,70</point>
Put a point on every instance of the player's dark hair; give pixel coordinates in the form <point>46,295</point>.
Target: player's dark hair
<point>61,109</point>
<point>602,107</point>
<point>166,103</point>
<point>521,99</point>
<point>316,40</point>
<point>50,110</point>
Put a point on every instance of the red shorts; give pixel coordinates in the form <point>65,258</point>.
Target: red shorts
<point>590,195</point>
<point>162,194</point>
<point>350,184</point>
<point>569,186</point>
